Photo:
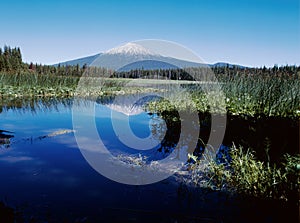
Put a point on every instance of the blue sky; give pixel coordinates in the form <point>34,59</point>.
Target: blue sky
<point>246,32</point>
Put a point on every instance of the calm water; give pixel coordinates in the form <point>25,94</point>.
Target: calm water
<point>47,178</point>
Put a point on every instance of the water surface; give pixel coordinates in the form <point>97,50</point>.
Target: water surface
<point>45,177</point>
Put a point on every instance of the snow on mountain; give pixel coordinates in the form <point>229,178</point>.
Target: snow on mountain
<point>131,49</point>
<point>134,56</point>
<point>121,56</point>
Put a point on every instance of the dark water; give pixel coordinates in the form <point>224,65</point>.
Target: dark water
<point>47,179</point>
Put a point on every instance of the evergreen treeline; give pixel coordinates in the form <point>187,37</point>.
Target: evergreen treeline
<point>10,59</point>
<point>205,72</point>
<point>172,74</point>
<point>287,70</point>
<point>11,62</point>
<point>68,70</point>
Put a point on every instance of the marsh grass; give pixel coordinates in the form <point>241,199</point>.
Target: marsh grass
<point>246,175</point>
<point>240,95</point>
<point>250,95</point>
<point>27,84</point>
<point>262,95</point>
<point>31,84</point>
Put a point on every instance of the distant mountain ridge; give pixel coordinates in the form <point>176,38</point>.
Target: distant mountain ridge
<point>134,56</point>
<point>80,61</point>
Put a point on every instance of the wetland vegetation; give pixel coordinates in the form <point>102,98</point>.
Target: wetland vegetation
<point>261,155</point>
<point>248,91</point>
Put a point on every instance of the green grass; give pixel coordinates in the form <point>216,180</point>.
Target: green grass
<point>26,84</point>
<point>31,84</point>
<point>246,175</point>
<point>262,95</point>
<point>250,95</point>
<point>255,96</point>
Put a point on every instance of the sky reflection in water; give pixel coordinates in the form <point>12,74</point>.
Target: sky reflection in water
<point>47,177</point>
<point>50,174</point>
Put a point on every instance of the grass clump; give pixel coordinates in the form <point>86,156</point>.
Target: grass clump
<point>246,175</point>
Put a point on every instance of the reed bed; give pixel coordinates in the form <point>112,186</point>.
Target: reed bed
<point>241,95</point>
<point>262,95</point>
<point>32,84</point>
<point>249,95</point>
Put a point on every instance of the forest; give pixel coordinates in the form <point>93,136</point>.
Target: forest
<point>11,63</point>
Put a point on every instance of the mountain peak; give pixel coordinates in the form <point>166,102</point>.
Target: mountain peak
<point>130,49</point>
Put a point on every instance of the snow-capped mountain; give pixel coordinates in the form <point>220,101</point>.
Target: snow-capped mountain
<point>121,56</point>
<point>130,49</point>
<point>134,56</point>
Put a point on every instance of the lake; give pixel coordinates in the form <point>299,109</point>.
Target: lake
<point>45,177</point>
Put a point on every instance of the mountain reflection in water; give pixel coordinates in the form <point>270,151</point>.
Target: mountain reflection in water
<point>48,178</point>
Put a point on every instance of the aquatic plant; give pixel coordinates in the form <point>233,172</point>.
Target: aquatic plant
<point>27,84</point>
<point>245,95</point>
<point>250,95</point>
<point>261,95</point>
<point>244,174</point>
